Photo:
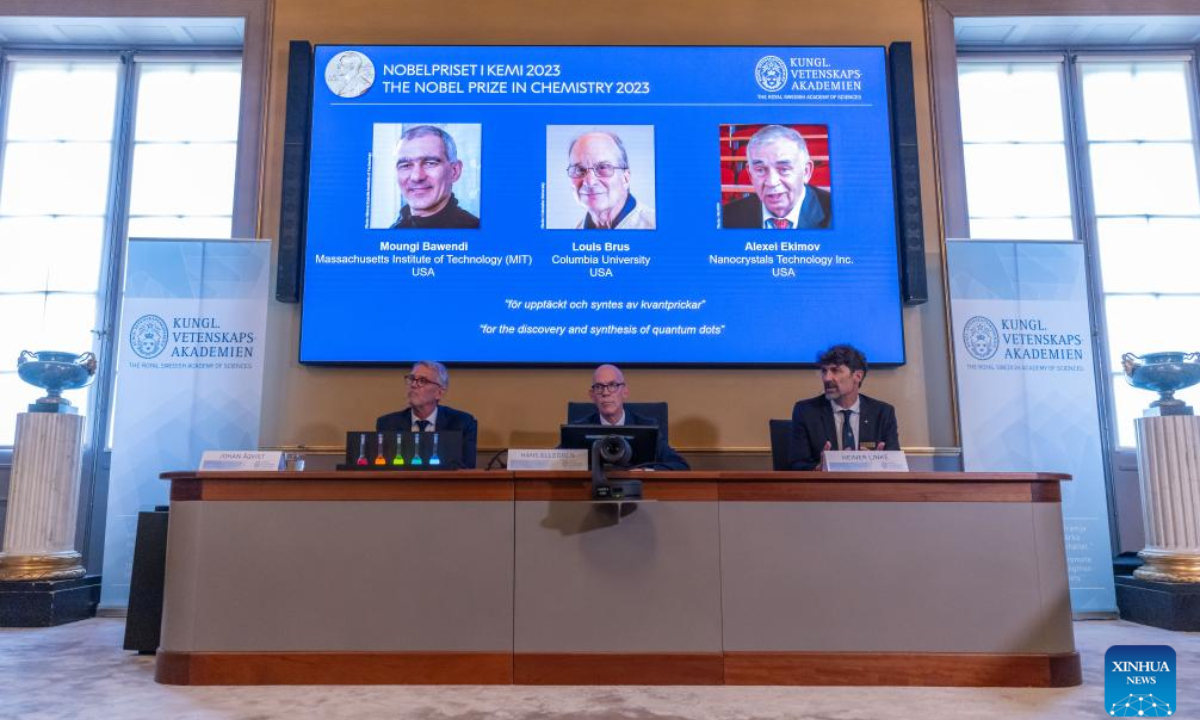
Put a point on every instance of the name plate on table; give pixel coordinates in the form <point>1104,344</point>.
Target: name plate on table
<point>556,459</point>
<point>241,460</point>
<point>864,461</point>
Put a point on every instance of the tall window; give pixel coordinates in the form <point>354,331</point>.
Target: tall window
<point>1015,150</point>
<point>1142,153</point>
<point>1101,149</point>
<point>184,150</point>
<point>95,150</point>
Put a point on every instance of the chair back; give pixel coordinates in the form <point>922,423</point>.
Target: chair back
<point>655,410</point>
<point>781,437</point>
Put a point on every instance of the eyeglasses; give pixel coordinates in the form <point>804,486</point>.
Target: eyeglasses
<point>608,389</point>
<point>419,382</point>
<point>602,170</point>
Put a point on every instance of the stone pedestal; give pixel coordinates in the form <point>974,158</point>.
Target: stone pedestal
<point>1171,606</point>
<point>46,603</point>
<point>39,532</point>
<point>1169,468</point>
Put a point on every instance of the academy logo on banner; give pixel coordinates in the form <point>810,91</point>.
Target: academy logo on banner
<point>190,337</point>
<point>1026,374</point>
<point>148,337</point>
<point>981,338</point>
<point>193,324</point>
<point>1021,339</point>
<point>1139,681</point>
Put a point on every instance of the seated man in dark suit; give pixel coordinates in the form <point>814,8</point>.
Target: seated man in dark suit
<point>610,392</point>
<point>841,419</point>
<point>427,383</point>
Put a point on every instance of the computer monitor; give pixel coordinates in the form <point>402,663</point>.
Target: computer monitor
<point>643,439</point>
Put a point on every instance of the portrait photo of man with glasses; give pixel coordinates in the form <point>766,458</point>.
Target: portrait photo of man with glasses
<point>425,176</point>
<point>427,383</point>
<point>606,171</point>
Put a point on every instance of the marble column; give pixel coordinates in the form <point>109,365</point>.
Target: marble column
<point>43,499</point>
<point>1169,468</point>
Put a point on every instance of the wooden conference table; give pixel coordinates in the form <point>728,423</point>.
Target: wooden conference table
<point>475,577</point>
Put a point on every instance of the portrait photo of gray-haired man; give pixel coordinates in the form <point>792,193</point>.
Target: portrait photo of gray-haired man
<point>609,175</point>
<point>425,176</point>
<point>779,167</point>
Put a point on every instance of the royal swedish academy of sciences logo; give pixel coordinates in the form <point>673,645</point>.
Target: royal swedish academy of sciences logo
<point>148,336</point>
<point>981,338</point>
<point>771,73</point>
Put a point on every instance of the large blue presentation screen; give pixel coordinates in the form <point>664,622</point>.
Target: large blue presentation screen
<point>641,205</point>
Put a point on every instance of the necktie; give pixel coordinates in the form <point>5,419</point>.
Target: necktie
<point>781,223</point>
<point>422,425</point>
<point>847,431</point>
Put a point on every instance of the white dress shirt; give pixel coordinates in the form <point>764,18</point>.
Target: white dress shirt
<point>620,420</point>
<point>432,420</point>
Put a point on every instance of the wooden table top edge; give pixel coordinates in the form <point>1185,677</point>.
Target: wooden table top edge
<point>691,476</point>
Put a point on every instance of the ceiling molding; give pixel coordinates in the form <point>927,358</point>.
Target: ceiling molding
<point>123,32</point>
<point>1130,31</point>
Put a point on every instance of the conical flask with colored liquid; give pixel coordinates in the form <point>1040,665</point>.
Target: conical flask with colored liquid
<point>399,459</point>
<point>379,458</point>
<point>416,456</point>
<point>434,459</point>
<point>362,450</point>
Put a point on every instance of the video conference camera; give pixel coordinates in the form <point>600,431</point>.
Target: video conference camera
<point>613,446</point>
<point>612,451</point>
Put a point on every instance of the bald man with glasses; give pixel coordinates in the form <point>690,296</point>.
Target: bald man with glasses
<point>599,170</point>
<point>427,383</point>
<point>609,392</point>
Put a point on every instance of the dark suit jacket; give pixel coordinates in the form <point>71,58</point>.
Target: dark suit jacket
<point>664,455</point>
<point>813,426</point>
<point>447,419</point>
<point>747,212</point>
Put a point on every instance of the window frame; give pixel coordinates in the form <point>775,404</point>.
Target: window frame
<point>1064,78</point>
<point>247,207</point>
<point>1084,216</point>
<point>109,265</point>
<point>942,57</point>
<point>1091,235</point>
<point>116,220</point>
<point>96,458</point>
